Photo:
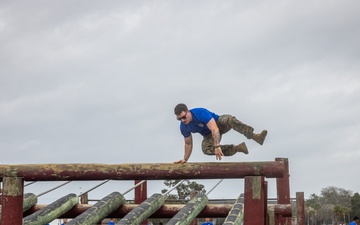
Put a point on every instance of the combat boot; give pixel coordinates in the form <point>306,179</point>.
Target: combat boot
<point>242,148</point>
<point>259,138</point>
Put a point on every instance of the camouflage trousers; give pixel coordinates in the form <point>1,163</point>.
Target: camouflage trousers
<point>225,123</point>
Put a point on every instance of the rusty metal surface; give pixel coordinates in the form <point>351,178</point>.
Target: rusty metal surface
<point>12,200</point>
<point>300,208</point>
<point>154,171</point>
<point>254,201</point>
<point>283,191</point>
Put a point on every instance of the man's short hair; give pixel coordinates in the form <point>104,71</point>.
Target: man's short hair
<point>356,218</point>
<point>179,108</point>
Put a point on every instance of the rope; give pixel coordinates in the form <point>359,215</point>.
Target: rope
<point>138,184</point>
<point>94,188</point>
<point>53,189</point>
<point>214,187</point>
<point>168,192</point>
<point>29,184</point>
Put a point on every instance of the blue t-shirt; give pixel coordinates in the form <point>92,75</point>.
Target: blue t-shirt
<point>200,117</point>
<point>207,223</point>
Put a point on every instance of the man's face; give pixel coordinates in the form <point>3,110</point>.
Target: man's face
<point>184,117</point>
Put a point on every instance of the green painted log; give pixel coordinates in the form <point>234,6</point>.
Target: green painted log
<point>100,210</point>
<point>236,214</point>
<point>30,200</point>
<point>52,211</point>
<point>189,212</point>
<point>144,210</point>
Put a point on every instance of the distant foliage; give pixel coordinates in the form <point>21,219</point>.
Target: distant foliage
<point>184,191</point>
<point>334,205</point>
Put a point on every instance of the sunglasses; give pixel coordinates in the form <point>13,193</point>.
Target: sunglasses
<point>183,117</point>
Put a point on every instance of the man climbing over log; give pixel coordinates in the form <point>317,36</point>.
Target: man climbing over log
<point>212,126</point>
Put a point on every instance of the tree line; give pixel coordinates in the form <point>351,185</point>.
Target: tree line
<point>334,205</point>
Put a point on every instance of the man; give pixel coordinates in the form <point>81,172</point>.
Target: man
<point>207,222</point>
<point>211,126</point>
<point>355,221</point>
<point>111,222</point>
<point>64,221</point>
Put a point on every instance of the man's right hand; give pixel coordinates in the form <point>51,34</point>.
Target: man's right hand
<point>219,154</point>
<point>182,161</point>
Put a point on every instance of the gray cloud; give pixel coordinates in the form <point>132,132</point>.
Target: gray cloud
<point>97,83</point>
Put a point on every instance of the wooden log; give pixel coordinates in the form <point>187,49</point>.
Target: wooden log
<point>144,210</point>
<point>12,200</point>
<point>100,210</point>
<point>30,200</point>
<point>190,211</point>
<point>155,171</point>
<point>236,214</point>
<point>165,211</point>
<point>277,210</point>
<point>52,211</point>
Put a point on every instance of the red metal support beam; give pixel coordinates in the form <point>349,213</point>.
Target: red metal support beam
<point>300,208</point>
<point>255,204</point>
<point>283,191</point>
<point>12,200</point>
<point>155,171</point>
<point>140,192</point>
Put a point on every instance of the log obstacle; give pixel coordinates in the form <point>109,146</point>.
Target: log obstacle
<point>254,173</point>
<point>236,214</point>
<point>52,211</point>
<point>100,210</point>
<point>144,210</point>
<point>155,171</point>
<point>187,214</point>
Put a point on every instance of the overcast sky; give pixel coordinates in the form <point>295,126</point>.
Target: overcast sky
<point>96,82</point>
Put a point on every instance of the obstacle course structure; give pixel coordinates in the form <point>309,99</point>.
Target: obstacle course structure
<point>254,211</point>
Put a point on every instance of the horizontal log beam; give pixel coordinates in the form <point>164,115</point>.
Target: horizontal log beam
<point>143,171</point>
<point>165,211</point>
<point>284,210</point>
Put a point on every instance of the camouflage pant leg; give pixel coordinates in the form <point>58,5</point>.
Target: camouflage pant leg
<point>208,147</point>
<point>224,124</point>
<point>229,121</point>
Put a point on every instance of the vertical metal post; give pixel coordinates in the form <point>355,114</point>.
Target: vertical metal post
<point>283,191</point>
<point>140,194</point>
<point>300,208</point>
<point>254,207</point>
<point>12,200</point>
<point>266,213</point>
<point>84,199</point>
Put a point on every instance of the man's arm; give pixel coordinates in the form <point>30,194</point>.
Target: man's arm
<point>188,150</point>
<point>216,136</point>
